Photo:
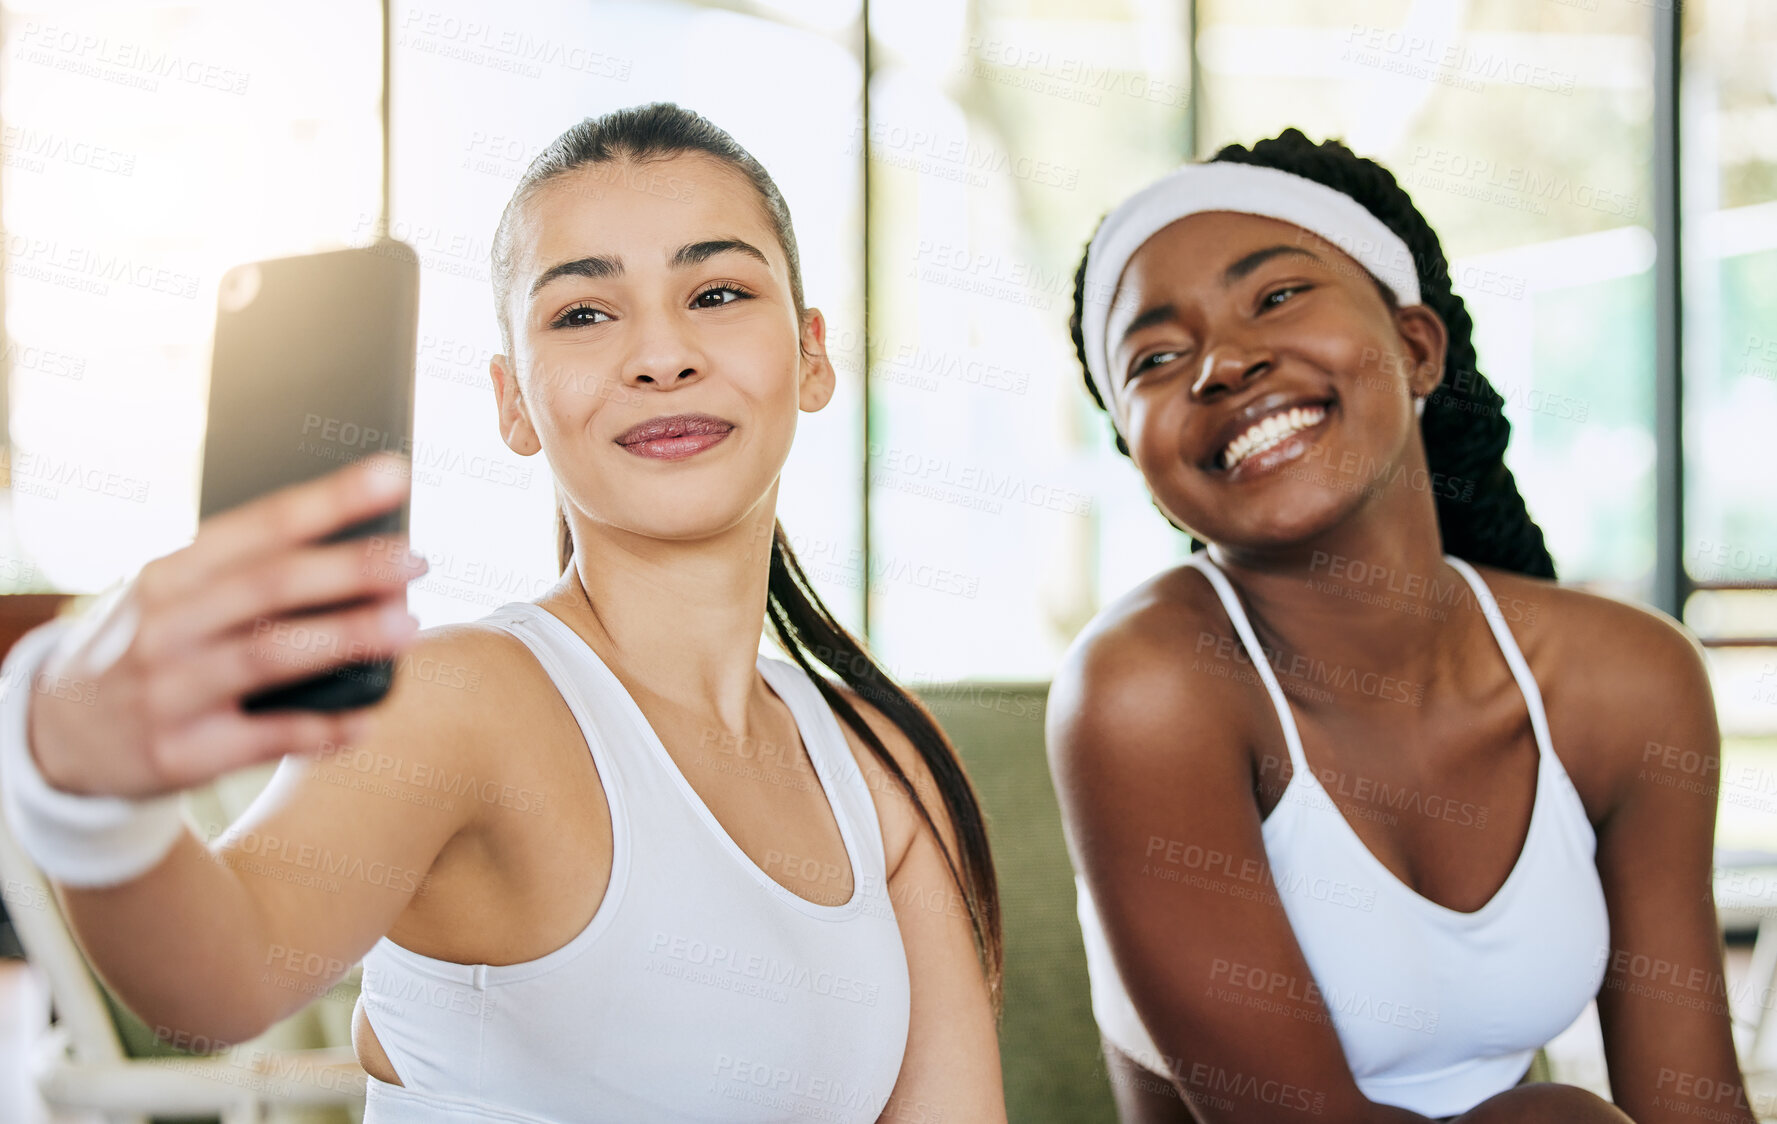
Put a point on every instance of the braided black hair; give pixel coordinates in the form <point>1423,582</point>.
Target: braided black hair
<point>1481,518</point>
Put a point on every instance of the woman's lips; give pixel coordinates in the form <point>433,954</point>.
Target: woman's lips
<point>675,448</point>
<point>674,437</point>
<point>1280,454</point>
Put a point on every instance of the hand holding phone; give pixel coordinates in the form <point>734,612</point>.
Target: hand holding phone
<point>312,370</point>
<point>161,667</point>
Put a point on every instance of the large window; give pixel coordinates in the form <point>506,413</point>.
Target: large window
<point>1729,182</point>
<point>1001,516</point>
<point>145,148</point>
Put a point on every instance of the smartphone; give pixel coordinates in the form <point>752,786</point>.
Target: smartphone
<point>312,368</point>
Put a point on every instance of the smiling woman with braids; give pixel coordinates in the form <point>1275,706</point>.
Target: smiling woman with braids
<point>699,884</point>
<point>1364,808</point>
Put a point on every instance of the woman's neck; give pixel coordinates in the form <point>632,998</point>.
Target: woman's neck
<point>1372,595</point>
<point>681,618</point>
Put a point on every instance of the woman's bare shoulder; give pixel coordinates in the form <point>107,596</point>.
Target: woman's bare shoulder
<point>1619,680</point>
<point>1592,639</point>
<point>1160,599</point>
<point>464,685</point>
<point>464,664</point>
<point>1161,659</point>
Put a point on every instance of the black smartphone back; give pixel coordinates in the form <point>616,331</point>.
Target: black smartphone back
<point>312,369</point>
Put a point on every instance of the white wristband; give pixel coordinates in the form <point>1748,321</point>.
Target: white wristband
<point>83,841</point>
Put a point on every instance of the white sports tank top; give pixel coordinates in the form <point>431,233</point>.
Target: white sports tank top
<point>1436,1009</point>
<point>701,989</point>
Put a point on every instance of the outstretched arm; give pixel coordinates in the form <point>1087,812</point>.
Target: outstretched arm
<point>201,943</point>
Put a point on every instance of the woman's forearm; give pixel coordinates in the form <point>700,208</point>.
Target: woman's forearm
<point>184,946</point>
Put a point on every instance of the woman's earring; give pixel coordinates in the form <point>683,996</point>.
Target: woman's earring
<point>1419,405</point>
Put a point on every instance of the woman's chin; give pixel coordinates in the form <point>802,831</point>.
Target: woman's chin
<point>1285,522</point>
<point>672,520</point>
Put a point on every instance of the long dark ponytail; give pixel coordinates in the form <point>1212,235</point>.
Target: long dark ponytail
<point>1482,518</point>
<point>802,623</point>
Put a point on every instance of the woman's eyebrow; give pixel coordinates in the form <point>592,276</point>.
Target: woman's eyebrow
<point>696,253</point>
<point>1161,313</point>
<point>601,266</point>
<point>1257,258</point>
<point>595,267</point>
<point>1147,318</point>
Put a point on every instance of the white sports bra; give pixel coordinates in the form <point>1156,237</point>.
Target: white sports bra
<point>1436,1009</point>
<point>701,989</point>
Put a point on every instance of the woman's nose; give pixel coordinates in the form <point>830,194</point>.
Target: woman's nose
<point>1229,366</point>
<point>663,355</point>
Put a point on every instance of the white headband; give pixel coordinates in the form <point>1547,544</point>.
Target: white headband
<point>1247,189</point>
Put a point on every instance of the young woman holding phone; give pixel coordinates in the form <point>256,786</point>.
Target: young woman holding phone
<point>1364,808</point>
<point>676,880</point>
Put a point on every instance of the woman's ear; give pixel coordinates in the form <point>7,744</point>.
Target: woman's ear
<point>515,415</point>
<point>1423,331</point>
<point>818,379</point>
